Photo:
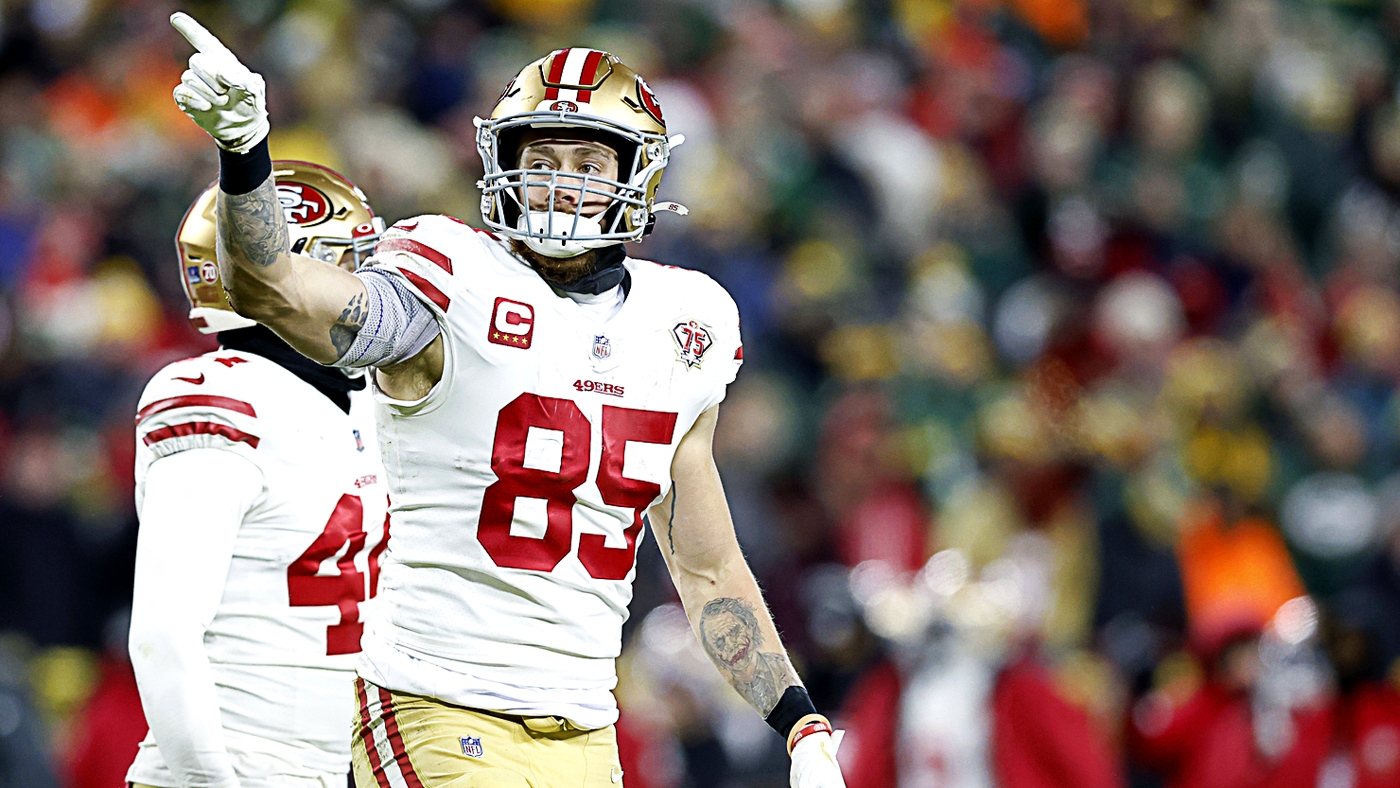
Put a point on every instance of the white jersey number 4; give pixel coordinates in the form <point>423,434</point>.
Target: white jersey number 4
<point>515,480</point>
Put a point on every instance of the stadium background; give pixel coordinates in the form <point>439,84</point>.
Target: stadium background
<point>1066,443</point>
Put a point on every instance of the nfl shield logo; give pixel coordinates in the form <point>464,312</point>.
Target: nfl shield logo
<point>471,747</point>
<point>602,348</point>
<point>359,442</point>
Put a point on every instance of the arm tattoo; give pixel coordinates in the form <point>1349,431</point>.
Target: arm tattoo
<point>348,325</point>
<point>252,227</point>
<point>729,631</point>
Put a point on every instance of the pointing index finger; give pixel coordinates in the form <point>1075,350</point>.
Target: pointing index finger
<point>194,32</point>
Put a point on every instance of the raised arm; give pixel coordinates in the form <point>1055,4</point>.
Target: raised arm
<point>308,303</point>
<point>318,309</point>
<point>723,602</point>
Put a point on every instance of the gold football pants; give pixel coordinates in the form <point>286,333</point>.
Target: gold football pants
<point>407,741</point>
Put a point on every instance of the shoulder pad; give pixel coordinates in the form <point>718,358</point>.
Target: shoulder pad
<point>696,289</point>
<point>427,251</point>
<point>697,298</point>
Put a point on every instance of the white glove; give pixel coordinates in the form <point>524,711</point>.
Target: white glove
<point>814,761</point>
<point>218,92</point>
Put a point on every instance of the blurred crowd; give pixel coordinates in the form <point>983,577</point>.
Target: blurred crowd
<point>1066,447</point>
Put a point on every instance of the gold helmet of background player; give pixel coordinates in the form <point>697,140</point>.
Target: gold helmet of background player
<point>588,90</point>
<point>327,217</point>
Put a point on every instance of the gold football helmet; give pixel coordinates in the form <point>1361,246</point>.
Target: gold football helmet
<point>584,89</point>
<point>328,218</point>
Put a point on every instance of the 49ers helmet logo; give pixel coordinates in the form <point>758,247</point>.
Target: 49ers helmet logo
<point>649,101</point>
<point>303,204</point>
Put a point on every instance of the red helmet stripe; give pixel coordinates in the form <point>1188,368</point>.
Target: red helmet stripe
<point>556,73</point>
<point>589,73</point>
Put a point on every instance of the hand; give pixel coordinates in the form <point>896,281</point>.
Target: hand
<point>814,762</point>
<point>218,92</point>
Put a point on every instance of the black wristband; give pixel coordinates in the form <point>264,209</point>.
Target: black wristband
<point>793,706</point>
<point>240,173</point>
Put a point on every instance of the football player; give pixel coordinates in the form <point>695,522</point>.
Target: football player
<point>262,500</point>
<point>540,393</point>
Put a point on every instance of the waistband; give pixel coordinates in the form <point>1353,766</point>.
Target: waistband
<point>543,725</point>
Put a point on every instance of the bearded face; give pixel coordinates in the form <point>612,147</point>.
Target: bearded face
<point>557,270</point>
<point>570,158</point>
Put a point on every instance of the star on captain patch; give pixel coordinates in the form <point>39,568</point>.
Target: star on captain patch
<point>602,348</point>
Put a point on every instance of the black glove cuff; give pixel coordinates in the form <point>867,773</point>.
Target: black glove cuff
<point>240,173</point>
<point>793,706</point>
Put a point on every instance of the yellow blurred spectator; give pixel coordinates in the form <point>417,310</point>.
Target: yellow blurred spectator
<point>859,353</point>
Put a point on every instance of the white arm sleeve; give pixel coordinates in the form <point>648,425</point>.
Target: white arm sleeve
<point>183,551</point>
<point>397,325</point>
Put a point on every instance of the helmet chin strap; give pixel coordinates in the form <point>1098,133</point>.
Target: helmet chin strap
<point>561,226</point>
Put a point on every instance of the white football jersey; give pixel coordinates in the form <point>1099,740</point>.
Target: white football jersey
<point>519,483</point>
<point>285,639</point>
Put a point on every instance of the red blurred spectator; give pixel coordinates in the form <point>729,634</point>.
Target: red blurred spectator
<point>879,514</point>
<point>890,525</point>
<point>635,745</point>
<point>107,731</point>
<point>870,718</point>
<point>1366,739</point>
<point>1040,740</point>
<point>1213,740</point>
<point>1368,735</point>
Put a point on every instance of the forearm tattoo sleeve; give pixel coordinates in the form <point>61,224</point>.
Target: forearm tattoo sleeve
<point>759,670</point>
<point>252,228</point>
